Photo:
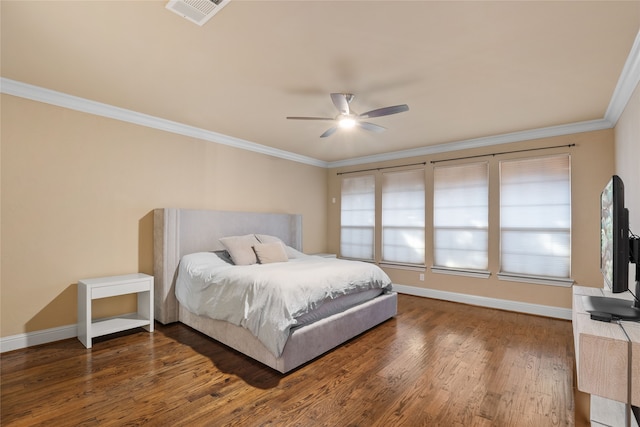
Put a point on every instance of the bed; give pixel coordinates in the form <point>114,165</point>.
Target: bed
<point>184,232</point>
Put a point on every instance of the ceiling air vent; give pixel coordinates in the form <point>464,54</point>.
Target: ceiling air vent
<point>198,11</point>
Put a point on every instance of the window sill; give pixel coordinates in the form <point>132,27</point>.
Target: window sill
<point>356,259</point>
<point>410,267</point>
<point>538,280</point>
<point>479,274</point>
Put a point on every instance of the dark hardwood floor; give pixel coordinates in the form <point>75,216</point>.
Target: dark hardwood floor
<point>435,364</point>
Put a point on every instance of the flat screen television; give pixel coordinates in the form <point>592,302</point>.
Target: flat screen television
<point>617,249</point>
<point>614,235</point>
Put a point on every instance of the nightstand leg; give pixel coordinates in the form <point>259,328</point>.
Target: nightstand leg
<point>84,315</point>
<point>145,307</point>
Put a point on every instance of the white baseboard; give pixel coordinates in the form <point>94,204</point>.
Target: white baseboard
<point>520,307</point>
<point>45,336</point>
<point>15,342</point>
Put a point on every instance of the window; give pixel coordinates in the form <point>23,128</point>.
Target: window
<point>357,219</point>
<point>535,217</point>
<point>403,215</point>
<point>461,216</point>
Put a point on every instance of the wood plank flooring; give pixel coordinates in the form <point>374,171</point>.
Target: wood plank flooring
<point>436,364</point>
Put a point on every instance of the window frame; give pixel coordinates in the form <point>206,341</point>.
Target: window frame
<point>372,227</point>
<point>421,229</point>
<point>527,277</point>
<point>462,270</point>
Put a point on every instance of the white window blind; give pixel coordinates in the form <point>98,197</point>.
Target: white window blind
<point>357,218</point>
<point>403,215</point>
<point>461,216</point>
<point>535,216</point>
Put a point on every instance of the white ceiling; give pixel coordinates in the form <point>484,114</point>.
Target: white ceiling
<point>466,69</point>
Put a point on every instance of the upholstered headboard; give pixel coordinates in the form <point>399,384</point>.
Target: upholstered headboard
<point>177,232</point>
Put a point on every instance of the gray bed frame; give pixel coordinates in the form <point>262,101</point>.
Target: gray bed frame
<point>178,232</point>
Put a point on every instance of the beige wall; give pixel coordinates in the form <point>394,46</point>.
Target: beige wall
<point>627,157</point>
<point>627,161</point>
<point>78,190</point>
<point>592,163</point>
<point>77,196</point>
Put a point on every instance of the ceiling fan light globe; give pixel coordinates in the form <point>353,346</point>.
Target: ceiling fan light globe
<point>347,123</point>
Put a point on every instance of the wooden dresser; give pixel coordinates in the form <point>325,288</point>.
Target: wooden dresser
<point>607,362</point>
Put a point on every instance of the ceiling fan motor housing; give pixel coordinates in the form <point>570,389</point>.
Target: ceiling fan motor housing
<point>347,118</point>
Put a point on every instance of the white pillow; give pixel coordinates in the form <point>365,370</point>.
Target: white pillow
<point>270,252</point>
<point>241,248</point>
<point>294,254</point>
<point>291,252</point>
<point>265,238</point>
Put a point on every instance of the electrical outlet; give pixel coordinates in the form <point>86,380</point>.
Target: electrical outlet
<point>422,277</point>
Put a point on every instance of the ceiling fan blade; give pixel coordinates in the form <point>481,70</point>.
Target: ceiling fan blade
<point>341,101</point>
<point>329,132</point>
<point>371,127</point>
<point>310,118</point>
<point>385,111</point>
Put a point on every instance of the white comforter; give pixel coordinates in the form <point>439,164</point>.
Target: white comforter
<point>267,298</point>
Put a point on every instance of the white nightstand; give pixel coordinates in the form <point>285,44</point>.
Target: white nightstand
<point>104,287</point>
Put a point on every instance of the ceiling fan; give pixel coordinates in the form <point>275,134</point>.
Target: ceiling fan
<point>347,118</point>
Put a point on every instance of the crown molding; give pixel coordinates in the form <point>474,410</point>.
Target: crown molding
<point>628,81</point>
<point>506,138</point>
<point>40,94</point>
